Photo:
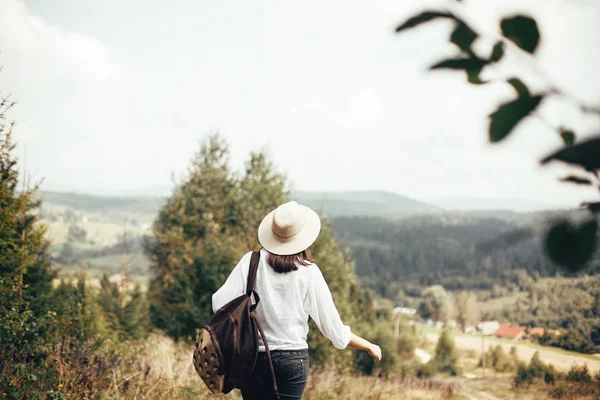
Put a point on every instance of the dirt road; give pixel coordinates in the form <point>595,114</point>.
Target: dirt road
<point>561,360</point>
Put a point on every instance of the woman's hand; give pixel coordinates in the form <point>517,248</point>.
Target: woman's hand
<point>375,352</point>
<point>356,342</point>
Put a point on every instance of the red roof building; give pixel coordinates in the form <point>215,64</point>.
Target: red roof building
<point>537,331</point>
<point>512,332</point>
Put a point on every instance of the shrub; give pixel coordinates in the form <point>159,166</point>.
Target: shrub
<point>446,359</point>
<point>559,392</point>
<point>579,374</point>
<point>523,376</point>
<point>497,359</point>
<point>536,367</point>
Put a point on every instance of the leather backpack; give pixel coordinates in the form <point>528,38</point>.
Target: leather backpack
<point>227,346</point>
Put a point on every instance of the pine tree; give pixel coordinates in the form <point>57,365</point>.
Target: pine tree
<point>193,246</point>
<point>25,273</point>
<point>205,227</point>
<point>130,320</point>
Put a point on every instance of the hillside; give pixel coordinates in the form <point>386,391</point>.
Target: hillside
<point>396,241</point>
<point>363,203</point>
<point>459,251</point>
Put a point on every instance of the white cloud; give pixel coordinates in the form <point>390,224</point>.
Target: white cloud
<point>48,49</point>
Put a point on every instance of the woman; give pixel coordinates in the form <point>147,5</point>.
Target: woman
<point>291,288</point>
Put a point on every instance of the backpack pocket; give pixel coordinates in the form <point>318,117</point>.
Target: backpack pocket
<point>206,362</point>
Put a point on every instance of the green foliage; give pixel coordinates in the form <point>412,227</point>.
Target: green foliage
<point>536,367</point>
<point>572,246</point>
<point>435,303</point>
<point>126,315</point>
<point>25,273</point>
<point>521,30</point>
<point>382,334</point>
<point>579,373</point>
<point>523,376</point>
<point>446,358</point>
<point>508,115</point>
<point>496,358</point>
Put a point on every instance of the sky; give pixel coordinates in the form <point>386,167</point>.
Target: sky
<point>115,97</point>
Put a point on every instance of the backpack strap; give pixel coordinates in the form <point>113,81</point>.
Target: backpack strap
<point>252,272</point>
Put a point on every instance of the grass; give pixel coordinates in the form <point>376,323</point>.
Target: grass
<point>159,368</point>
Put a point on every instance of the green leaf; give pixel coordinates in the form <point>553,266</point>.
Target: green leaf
<point>519,86</point>
<point>576,180</point>
<point>508,115</point>
<point>584,154</point>
<point>521,30</point>
<point>593,207</point>
<point>463,36</point>
<point>460,63</point>
<point>471,65</point>
<point>497,52</point>
<point>421,18</point>
<point>473,76</point>
<point>572,246</point>
<point>568,136</point>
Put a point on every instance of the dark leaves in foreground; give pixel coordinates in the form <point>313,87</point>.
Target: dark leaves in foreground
<point>508,115</point>
<point>585,154</point>
<point>522,31</point>
<point>572,246</point>
<point>425,16</point>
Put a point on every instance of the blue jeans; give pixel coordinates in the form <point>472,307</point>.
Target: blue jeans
<point>291,371</point>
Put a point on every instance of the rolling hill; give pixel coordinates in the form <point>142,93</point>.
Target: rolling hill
<point>363,203</point>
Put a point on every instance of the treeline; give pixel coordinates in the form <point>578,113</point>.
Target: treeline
<point>566,304</point>
<point>456,251</point>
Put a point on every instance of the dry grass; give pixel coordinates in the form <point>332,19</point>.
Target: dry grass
<point>332,385</point>
<point>159,368</point>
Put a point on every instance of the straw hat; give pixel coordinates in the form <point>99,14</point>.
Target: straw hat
<point>289,229</point>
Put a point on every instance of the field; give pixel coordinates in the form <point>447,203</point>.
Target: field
<point>561,359</point>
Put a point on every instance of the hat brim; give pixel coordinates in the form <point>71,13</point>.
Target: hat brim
<point>292,245</point>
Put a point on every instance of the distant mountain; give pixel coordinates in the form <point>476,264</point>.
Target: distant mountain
<point>363,203</point>
<point>495,204</point>
<point>101,204</point>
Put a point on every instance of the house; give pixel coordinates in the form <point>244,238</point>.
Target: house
<point>513,332</point>
<point>536,332</point>
<point>487,328</point>
<point>409,312</point>
<point>470,329</point>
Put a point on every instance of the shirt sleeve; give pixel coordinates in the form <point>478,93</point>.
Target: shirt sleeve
<point>233,287</point>
<point>319,305</point>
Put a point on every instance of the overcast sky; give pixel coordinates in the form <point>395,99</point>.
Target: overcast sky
<point>115,96</point>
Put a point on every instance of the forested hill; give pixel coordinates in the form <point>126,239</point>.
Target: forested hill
<point>363,203</point>
<point>456,251</point>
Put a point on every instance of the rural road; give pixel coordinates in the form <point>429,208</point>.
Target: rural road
<point>561,360</point>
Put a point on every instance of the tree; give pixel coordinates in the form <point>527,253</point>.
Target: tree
<point>467,310</point>
<point>25,273</point>
<point>194,243</point>
<point>124,319</point>
<point>446,358</point>
<point>435,303</point>
<point>205,227</point>
<point>568,244</point>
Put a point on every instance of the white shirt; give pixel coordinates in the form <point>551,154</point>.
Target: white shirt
<point>286,302</point>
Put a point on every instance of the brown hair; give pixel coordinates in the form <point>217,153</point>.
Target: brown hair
<point>283,264</point>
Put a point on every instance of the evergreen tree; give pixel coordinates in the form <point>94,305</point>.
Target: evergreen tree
<point>205,227</point>
<point>127,320</point>
<point>200,234</point>
<point>25,273</point>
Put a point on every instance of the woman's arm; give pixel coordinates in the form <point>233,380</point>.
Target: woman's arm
<point>356,342</point>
